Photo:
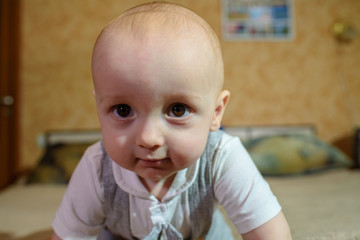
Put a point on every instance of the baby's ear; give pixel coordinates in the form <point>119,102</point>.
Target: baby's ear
<point>219,110</point>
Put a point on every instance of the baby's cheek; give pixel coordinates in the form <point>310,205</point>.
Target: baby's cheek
<point>121,141</point>
<point>188,149</point>
<point>117,147</point>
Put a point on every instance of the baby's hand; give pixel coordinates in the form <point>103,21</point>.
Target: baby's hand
<point>55,237</point>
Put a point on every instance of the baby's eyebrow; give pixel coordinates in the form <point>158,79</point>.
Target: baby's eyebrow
<point>185,96</point>
<point>112,99</point>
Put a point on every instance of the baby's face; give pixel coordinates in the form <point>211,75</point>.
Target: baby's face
<point>155,103</point>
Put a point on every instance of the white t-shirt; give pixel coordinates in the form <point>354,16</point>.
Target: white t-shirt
<point>237,184</point>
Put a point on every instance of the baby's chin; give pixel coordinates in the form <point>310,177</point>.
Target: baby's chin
<point>151,179</point>
<point>155,174</point>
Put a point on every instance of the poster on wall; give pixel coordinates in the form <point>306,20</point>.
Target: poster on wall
<point>257,20</point>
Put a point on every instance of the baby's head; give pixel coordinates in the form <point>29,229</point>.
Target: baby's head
<point>158,76</point>
<point>166,26</point>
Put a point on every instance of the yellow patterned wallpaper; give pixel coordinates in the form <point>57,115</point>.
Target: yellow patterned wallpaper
<point>310,80</point>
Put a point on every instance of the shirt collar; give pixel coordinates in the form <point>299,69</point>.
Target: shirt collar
<point>130,182</point>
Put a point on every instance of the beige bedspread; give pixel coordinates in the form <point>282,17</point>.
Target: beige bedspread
<point>26,211</point>
<point>323,206</point>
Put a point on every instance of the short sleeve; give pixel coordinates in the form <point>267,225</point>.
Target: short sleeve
<point>240,188</point>
<point>81,213</point>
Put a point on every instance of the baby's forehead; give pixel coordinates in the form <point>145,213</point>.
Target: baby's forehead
<point>170,20</point>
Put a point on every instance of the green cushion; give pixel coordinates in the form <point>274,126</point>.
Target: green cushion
<point>294,154</point>
<point>58,163</point>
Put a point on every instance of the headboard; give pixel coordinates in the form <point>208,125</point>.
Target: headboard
<point>251,132</point>
<point>54,137</point>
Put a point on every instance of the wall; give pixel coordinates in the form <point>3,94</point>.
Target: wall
<point>313,79</point>
<point>310,80</point>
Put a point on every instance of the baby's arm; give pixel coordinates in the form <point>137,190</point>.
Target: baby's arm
<point>239,185</point>
<point>81,210</point>
<point>275,229</point>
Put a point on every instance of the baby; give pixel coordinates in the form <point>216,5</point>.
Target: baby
<point>163,165</point>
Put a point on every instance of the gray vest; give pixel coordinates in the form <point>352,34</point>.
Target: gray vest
<point>200,195</point>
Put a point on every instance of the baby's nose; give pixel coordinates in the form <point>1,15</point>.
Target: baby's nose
<point>150,136</point>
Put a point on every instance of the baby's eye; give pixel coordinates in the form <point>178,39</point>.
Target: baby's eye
<point>123,111</point>
<point>179,110</point>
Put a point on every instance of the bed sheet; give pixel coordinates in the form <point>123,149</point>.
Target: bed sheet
<point>26,211</point>
<point>321,206</point>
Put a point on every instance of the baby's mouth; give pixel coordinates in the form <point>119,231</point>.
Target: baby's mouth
<point>152,162</point>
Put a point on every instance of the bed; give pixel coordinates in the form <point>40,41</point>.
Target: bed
<point>319,193</point>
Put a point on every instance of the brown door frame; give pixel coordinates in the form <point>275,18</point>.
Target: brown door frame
<point>9,78</point>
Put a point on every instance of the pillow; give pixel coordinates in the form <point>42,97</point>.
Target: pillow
<point>58,163</point>
<point>294,154</point>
